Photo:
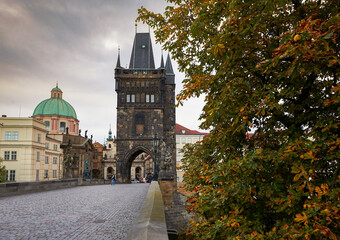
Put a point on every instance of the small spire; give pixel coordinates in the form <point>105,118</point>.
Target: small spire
<point>168,65</point>
<point>162,61</point>
<point>110,135</point>
<point>118,60</point>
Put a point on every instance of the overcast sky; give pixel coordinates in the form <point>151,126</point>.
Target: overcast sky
<point>74,43</point>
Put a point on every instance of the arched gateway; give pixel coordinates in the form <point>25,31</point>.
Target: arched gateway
<point>145,107</point>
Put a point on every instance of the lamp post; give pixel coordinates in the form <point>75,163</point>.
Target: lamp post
<point>155,143</point>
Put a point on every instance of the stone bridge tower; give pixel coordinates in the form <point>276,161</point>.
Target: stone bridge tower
<point>145,106</point>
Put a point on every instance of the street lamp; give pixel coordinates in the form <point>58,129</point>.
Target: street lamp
<point>155,143</point>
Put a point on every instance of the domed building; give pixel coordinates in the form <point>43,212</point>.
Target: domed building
<point>57,114</point>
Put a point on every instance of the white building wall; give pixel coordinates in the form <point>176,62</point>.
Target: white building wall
<point>181,140</point>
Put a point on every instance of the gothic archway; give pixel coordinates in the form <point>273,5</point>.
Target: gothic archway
<point>124,167</point>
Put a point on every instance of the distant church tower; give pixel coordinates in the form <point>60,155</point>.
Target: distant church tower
<point>145,107</point>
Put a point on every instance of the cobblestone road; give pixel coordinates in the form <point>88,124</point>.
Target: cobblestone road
<point>89,212</point>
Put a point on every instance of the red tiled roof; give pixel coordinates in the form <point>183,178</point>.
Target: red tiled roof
<point>180,129</point>
<point>97,144</point>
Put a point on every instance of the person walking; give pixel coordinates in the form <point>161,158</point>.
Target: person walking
<point>113,179</point>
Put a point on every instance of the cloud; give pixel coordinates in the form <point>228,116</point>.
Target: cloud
<point>74,43</point>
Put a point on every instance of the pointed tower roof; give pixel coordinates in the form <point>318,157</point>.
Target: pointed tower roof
<point>118,59</point>
<point>168,65</point>
<point>110,135</point>
<point>170,76</point>
<point>162,61</point>
<point>142,54</point>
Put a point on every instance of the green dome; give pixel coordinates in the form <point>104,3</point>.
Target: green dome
<point>55,106</point>
<point>57,89</point>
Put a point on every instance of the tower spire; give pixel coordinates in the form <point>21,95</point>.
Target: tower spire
<point>162,61</point>
<point>142,54</point>
<point>168,65</point>
<point>118,60</point>
<point>170,76</point>
<point>110,135</point>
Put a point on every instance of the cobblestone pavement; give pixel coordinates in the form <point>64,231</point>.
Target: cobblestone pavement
<point>88,212</point>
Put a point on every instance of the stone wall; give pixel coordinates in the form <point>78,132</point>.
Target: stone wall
<point>150,223</point>
<point>10,189</point>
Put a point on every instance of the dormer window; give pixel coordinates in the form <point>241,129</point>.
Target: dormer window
<point>183,131</point>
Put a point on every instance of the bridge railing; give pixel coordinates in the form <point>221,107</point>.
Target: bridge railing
<point>150,223</point>
<point>16,188</point>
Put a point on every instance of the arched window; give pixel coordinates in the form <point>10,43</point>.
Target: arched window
<point>47,125</point>
<point>62,126</point>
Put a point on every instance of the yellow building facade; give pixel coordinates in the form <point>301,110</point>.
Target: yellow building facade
<point>28,153</point>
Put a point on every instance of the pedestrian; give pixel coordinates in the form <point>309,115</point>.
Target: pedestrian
<point>113,180</point>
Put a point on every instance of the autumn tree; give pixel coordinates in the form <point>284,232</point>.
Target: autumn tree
<point>3,172</point>
<point>270,68</point>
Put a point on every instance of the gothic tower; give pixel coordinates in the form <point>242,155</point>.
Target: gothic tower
<point>145,107</point>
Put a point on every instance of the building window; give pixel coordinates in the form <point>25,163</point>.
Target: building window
<point>15,136</point>
<point>147,98</point>
<point>47,125</point>
<point>10,155</point>
<point>54,173</point>
<point>128,98</point>
<point>55,147</point>
<point>6,157</point>
<point>140,121</point>
<point>189,140</point>
<point>55,160</point>
<point>11,175</point>
<point>11,136</point>
<point>47,145</point>
<point>183,140</point>
<point>37,175</point>
<point>39,137</point>
<point>152,98</point>
<point>8,136</point>
<point>178,140</point>
<point>45,173</point>
<point>133,98</point>
<point>14,155</point>
<point>46,159</point>
<point>38,156</point>
<point>110,146</point>
<point>62,126</point>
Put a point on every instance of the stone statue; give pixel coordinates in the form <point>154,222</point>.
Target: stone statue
<point>79,132</point>
<point>86,134</point>
<point>166,157</point>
